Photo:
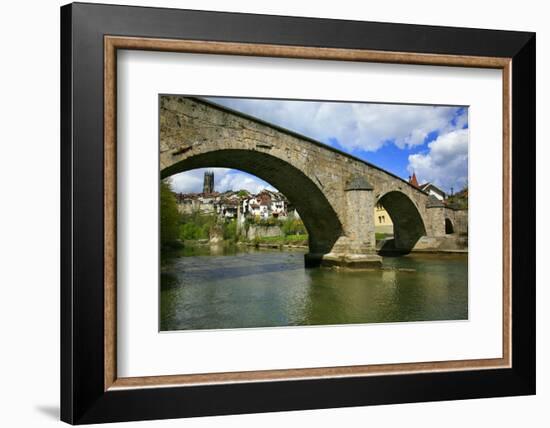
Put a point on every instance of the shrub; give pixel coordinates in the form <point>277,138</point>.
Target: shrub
<point>294,227</point>
<point>230,230</point>
<point>191,231</point>
<point>169,216</point>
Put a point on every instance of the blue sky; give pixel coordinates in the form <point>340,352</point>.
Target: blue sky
<point>432,141</point>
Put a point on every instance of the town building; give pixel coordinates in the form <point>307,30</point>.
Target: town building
<point>433,190</point>
<point>234,204</point>
<point>265,204</point>
<point>189,203</point>
<point>430,188</point>
<point>382,220</point>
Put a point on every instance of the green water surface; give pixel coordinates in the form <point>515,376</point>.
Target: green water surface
<point>235,287</point>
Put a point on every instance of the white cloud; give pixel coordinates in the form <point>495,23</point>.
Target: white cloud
<point>239,181</point>
<point>224,179</point>
<point>364,126</point>
<point>445,163</point>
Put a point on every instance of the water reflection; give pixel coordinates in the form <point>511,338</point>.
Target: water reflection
<point>232,287</point>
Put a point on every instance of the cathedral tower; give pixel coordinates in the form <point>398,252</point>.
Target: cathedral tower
<point>208,185</point>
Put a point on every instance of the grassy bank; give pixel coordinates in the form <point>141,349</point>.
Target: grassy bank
<point>381,236</point>
<point>282,240</point>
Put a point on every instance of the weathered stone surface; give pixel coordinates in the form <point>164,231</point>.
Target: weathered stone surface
<point>448,243</point>
<point>352,261</point>
<point>358,182</point>
<point>215,234</point>
<point>256,231</point>
<point>334,192</point>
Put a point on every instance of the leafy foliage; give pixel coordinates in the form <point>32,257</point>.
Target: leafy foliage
<point>459,200</point>
<point>294,226</point>
<point>230,230</point>
<point>196,226</point>
<point>169,216</point>
<point>288,239</point>
<point>258,221</point>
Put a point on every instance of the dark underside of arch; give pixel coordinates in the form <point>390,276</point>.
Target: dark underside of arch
<point>318,216</point>
<point>449,228</point>
<point>408,226</point>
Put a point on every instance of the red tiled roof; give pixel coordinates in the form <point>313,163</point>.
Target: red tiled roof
<point>413,180</point>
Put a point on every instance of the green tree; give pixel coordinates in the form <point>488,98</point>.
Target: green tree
<point>230,230</point>
<point>196,225</point>
<point>190,231</point>
<point>294,227</point>
<point>459,199</point>
<point>169,216</point>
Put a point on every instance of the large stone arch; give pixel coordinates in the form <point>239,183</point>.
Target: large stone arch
<point>320,219</point>
<point>408,225</point>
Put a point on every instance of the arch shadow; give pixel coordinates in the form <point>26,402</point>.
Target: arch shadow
<point>318,215</point>
<point>449,228</point>
<point>408,226</point>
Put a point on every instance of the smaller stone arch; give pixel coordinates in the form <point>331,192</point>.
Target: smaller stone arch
<point>449,227</point>
<point>408,225</point>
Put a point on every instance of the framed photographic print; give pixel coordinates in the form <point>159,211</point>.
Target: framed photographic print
<point>265,213</point>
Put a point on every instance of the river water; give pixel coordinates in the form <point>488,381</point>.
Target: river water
<point>235,287</point>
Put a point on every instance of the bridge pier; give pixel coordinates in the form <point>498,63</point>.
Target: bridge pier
<point>356,249</point>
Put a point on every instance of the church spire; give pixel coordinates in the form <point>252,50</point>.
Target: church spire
<point>413,180</point>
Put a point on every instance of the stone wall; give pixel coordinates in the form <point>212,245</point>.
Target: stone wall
<point>447,243</point>
<point>256,231</point>
<point>461,222</point>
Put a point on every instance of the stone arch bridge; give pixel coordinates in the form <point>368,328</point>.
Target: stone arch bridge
<point>334,193</point>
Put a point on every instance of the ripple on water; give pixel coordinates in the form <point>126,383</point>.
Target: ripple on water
<point>272,289</point>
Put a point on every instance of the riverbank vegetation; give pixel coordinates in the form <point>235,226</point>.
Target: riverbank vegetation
<point>299,240</point>
<point>289,226</point>
<point>169,217</point>
<point>195,226</point>
<point>178,229</point>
